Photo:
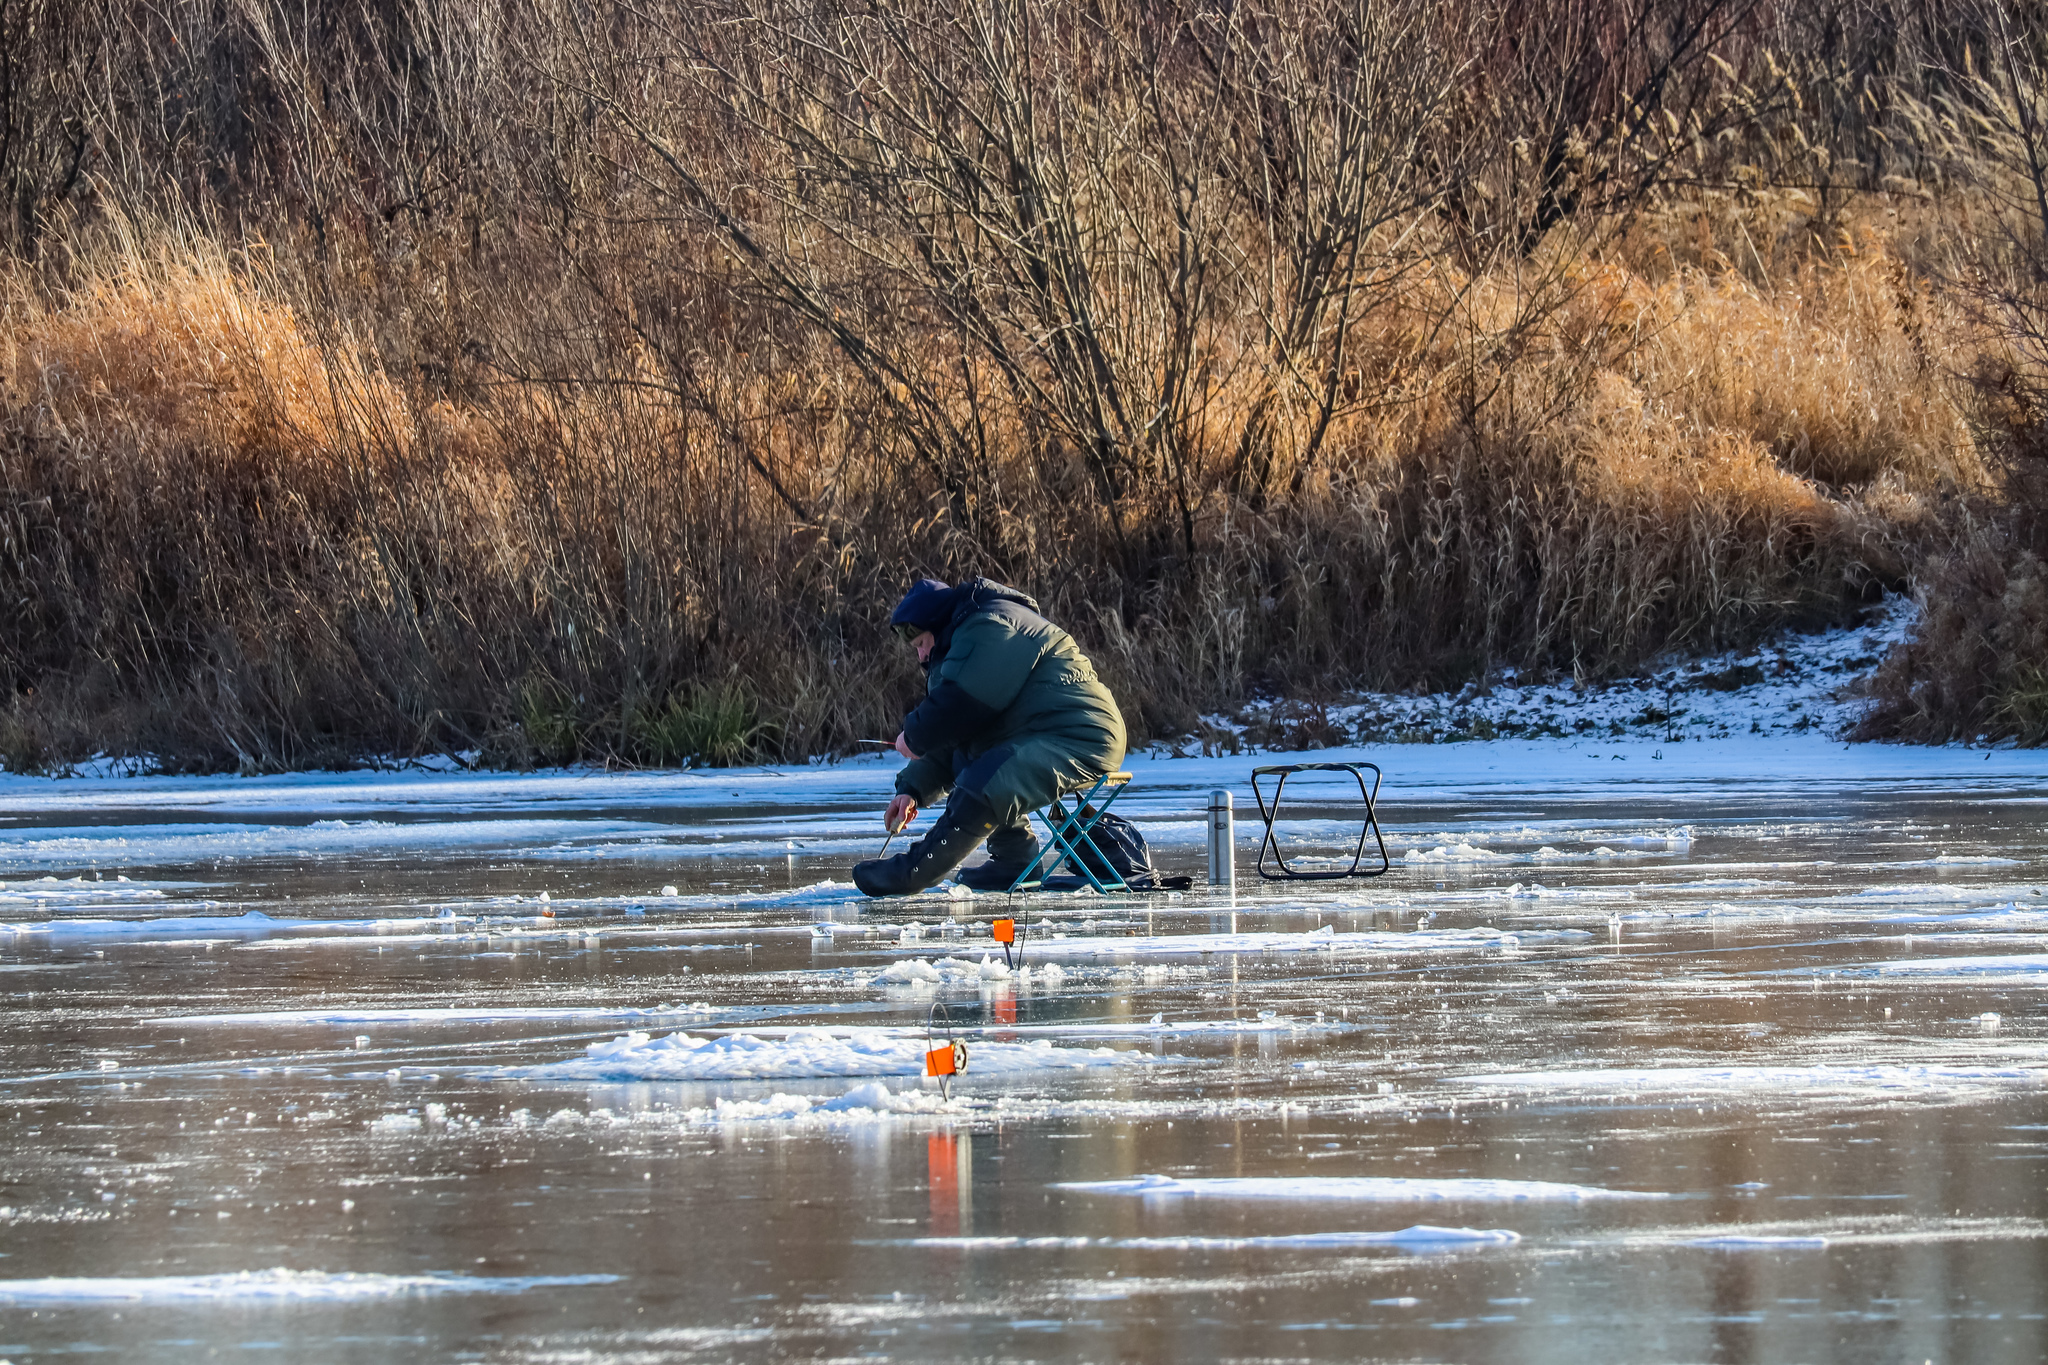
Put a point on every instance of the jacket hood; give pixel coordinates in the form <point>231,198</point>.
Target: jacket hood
<point>931,605</point>
<point>927,606</point>
<point>978,594</point>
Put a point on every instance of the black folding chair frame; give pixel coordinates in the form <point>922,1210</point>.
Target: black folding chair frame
<point>1271,812</point>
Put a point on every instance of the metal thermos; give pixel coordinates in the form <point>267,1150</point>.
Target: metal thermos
<point>1222,840</point>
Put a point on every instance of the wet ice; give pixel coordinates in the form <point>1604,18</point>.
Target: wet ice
<point>1753,1003</point>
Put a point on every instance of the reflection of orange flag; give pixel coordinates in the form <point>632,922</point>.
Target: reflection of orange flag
<point>942,1151</point>
<point>1006,1008</point>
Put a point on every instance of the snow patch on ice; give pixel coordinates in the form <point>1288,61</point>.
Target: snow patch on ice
<point>1421,1235</point>
<point>1453,853</point>
<point>1326,939</point>
<point>47,891</point>
<point>931,973</point>
<point>797,1053</point>
<point>1740,1242</point>
<point>1383,1189</point>
<point>861,1106</point>
<point>2018,964</point>
<point>292,1286</point>
<point>252,924</point>
<point>451,1015</point>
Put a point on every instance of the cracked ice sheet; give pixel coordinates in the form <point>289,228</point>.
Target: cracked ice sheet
<point>1325,939</point>
<point>796,1054</point>
<point>1165,789</point>
<point>821,893</point>
<point>265,931</point>
<point>2018,968</point>
<point>451,1015</point>
<point>1815,1233</point>
<point>254,923</point>
<point>273,1286</point>
<point>2006,915</point>
<point>164,845</point>
<point>78,892</point>
<point>1420,1235</point>
<point>1378,1189</point>
<point>873,1103</point>
<point>1158,1027</point>
<point>1932,1080</point>
<point>2030,966</point>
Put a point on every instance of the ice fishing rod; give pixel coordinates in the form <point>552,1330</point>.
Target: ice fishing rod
<point>894,830</point>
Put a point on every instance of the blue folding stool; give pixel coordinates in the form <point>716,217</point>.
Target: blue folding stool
<point>1070,835</point>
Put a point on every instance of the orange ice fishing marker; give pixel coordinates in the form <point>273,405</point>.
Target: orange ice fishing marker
<point>946,1059</point>
<point>1005,932</point>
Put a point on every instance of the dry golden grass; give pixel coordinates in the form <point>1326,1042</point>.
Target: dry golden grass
<point>233,543</point>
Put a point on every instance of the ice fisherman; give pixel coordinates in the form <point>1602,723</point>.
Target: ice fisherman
<point>1013,715</point>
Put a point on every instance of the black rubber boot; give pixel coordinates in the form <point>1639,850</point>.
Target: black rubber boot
<point>965,822</point>
<point>1010,851</point>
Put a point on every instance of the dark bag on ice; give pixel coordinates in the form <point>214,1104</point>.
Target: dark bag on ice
<point>1119,852</point>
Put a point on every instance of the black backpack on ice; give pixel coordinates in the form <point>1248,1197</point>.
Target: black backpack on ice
<point>1119,852</point>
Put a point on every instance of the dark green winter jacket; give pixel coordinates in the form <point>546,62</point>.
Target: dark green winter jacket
<point>1002,675</point>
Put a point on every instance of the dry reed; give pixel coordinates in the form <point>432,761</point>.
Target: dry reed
<point>611,430</point>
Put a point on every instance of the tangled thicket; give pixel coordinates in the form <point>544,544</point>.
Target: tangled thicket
<point>392,376</point>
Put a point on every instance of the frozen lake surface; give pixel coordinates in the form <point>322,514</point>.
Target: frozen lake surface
<point>1732,1049</point>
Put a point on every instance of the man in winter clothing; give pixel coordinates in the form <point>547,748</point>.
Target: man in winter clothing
<point>1013,716</point>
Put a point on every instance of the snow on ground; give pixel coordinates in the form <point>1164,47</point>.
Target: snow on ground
<point>272,1286</point>
<point>796,1054</point>
<point>1796,685</point>
<point>1380,1189</point>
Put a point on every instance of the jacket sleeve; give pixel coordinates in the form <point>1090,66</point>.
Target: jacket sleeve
<point>928,778</point>
<point>983,672</point>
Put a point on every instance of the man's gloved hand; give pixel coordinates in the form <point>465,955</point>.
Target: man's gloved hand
<point>901,812</point>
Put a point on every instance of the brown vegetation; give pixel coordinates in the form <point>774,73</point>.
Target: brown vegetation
<point>560,383</point>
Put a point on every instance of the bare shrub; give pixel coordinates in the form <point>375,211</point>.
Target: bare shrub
<point>588,390</point>
<point>1977,661</point>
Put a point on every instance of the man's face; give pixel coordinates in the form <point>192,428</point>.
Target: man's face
<point>923,645</point>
